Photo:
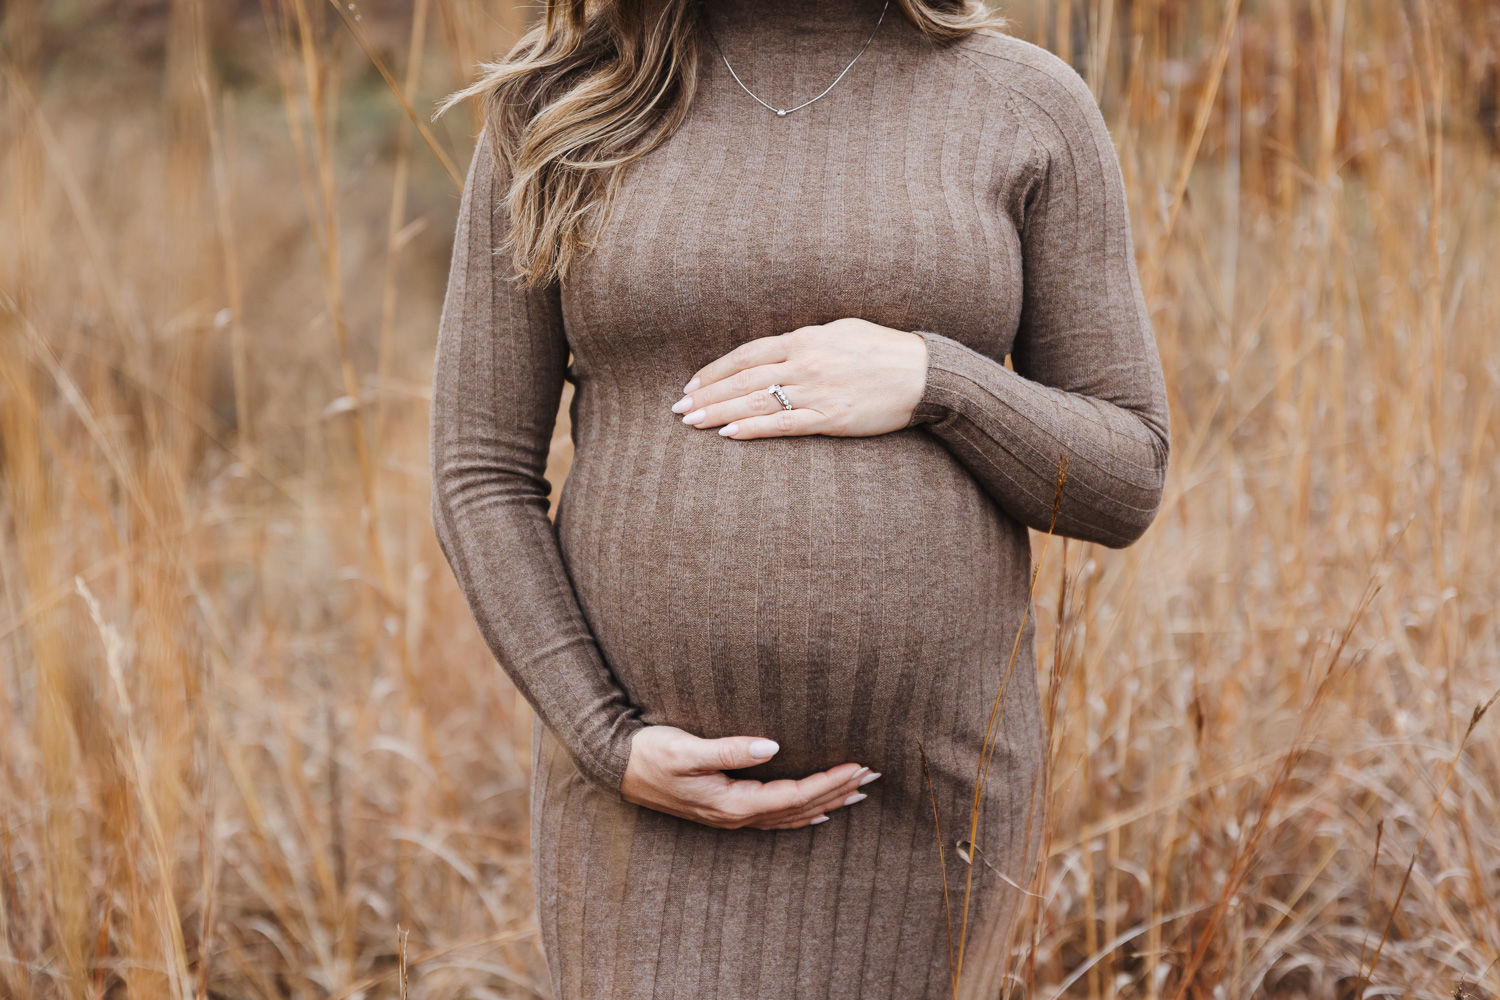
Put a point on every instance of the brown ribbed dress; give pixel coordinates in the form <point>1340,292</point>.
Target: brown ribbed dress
<point>842,596</point>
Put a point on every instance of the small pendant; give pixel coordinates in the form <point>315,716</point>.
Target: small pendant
<point>780,113</point>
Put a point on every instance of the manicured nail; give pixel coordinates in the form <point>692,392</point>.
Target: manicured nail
<point>761,749</point>
<point>682,404</point>
<point>856,797</point>
<point>695,416</point>
<point>691,385</point>
<point>821,819</point>
<point>728,429</point>
<point>859,774</point>
<point>868,778</point>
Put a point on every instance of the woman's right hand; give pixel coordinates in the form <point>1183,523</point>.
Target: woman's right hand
<point>675,772</point>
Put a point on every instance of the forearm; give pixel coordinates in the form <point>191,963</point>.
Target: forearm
<point>1011,432</point>
<point>504,554</point>
<point>500,365</point>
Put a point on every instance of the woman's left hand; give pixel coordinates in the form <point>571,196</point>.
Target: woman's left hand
<point>848,378</point>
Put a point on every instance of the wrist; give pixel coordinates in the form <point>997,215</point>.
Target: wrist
<point>629,775</point>
<point>926,409</point>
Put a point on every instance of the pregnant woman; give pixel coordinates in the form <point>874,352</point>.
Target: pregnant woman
<point>782,250</point>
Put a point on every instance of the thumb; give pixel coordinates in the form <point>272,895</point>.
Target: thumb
<point>730,752</point>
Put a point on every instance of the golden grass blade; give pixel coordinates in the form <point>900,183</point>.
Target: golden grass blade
<point>354,22</point>
<point>991,733</point>
<point>169,917</point>
<point>937,827</point>
<point>1244,858</point>
<point>1370,896</point>
<point>1474,719</point>
<point>1190,155</point>
<point>499,937</point>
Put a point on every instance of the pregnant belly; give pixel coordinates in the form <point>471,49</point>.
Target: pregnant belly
<point>842,596</point>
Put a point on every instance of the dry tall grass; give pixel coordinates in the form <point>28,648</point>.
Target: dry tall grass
<point>253,747</point>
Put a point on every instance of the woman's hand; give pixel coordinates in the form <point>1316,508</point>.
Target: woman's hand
<point>848,378</point>
<point>675,772</point>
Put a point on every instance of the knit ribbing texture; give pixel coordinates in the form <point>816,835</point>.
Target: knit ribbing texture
<point>845,597</point>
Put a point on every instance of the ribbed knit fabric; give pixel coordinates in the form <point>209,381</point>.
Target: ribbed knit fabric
<point>846,597</point>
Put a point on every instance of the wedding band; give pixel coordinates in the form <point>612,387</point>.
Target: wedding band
<point>780,394</point>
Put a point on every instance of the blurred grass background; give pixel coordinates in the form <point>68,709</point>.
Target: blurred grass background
<point>252,746</point>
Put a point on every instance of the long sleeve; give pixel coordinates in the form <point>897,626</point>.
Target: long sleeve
<point>501,361</point>
<point>1087,379</point>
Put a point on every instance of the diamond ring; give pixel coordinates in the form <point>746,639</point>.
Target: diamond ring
<point>780,394</point>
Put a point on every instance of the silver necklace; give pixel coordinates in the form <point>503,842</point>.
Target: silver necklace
<point>783,112</point>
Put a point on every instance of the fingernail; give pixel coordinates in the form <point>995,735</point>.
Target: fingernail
<point>868,778</point>
<point>691,385</point>
<point>763,748</point>
<point>821,819</point>
<point>682,404</point>
<point>695,416</point>
<point>728,429</point>
<point>856,797</point>
<point>859,774</point>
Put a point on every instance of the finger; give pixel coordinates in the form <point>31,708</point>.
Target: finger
<point>818,813</point>
<point>741,383</point>
<point>784,798</point>
<point>782,423</point>
<point>696,756</point>
<point>798,824</point>
<point>836,798</point>
<point>733,811</point>
<point>755,404</point>
<point>849,794</point>
<point>761,351</point>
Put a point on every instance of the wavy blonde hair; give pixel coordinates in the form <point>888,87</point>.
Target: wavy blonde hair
<point>596,85</point>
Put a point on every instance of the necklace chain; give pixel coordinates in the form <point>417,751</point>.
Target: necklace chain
<point>783,112</point>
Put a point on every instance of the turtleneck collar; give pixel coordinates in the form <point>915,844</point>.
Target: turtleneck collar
<point>831,18</point>
<point>787,51</point>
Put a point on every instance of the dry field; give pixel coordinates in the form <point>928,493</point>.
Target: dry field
<point>252,746</point>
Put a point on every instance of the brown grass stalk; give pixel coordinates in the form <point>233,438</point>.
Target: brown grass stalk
<point>992,727</point>
<point>1474,719</point>
<point>937,827</point>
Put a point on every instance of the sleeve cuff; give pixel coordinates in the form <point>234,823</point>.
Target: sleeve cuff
<point>947,363</point>
<point>609,770</point>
